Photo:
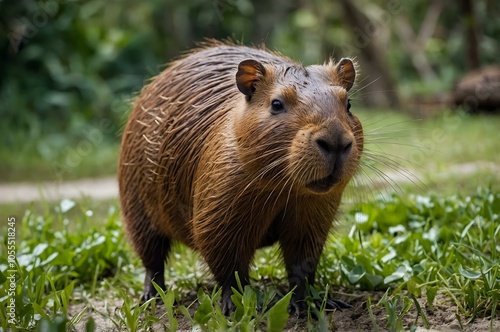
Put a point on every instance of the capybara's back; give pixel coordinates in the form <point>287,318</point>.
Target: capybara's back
<point>233,148</point>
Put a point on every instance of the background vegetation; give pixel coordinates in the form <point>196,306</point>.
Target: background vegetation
<point>72,66</point>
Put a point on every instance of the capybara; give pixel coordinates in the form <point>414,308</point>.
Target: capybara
<point>231,149</point>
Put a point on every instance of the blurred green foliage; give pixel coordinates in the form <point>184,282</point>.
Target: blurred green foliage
<point>73,67</point>
<point>67,65</point>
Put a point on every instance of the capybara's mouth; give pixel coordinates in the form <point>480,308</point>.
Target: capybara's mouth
<point>323,185</point>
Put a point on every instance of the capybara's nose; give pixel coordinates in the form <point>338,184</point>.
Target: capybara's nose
<point>334,150</point>
<point>334,145</point>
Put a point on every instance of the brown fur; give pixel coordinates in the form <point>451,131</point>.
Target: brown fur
<point>205,162</point>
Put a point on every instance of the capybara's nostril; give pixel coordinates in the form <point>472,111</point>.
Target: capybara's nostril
<point>347,148</point>
<point>324,146</point>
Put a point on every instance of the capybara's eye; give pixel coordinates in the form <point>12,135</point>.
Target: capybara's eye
<point>349,107</point>
<point>277,106</point>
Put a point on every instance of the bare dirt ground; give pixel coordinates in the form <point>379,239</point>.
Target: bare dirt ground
<point>443,319</point>
<point>99,189</point>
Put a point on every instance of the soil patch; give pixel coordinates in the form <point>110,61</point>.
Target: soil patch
<point>444,318</point>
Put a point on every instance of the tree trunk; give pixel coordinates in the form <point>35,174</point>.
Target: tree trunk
<point>377,84</point>
<point>471,34</point>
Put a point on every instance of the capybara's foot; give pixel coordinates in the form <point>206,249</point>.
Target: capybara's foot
<point>228,306</point>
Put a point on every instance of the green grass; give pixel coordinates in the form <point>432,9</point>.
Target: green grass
<point>60,160</point>
<point>446,152</point>
<point>96,210</point>
<point>411,248</point>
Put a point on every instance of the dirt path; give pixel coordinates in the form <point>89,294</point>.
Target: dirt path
<point>107,188</point>
<point>104,188</point>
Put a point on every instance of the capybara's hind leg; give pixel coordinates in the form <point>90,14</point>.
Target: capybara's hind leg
<point>153,256</point>
<point>151,246</point>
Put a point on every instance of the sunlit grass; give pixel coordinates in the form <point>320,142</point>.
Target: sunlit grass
<point>441,154</point>
<point>39,161</point>
<point>411,248</point>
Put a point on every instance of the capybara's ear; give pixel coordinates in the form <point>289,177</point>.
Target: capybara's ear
<point>346,74</point>
<point>249,72</point>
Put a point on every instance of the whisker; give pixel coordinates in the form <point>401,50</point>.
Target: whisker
<point>365,86</point>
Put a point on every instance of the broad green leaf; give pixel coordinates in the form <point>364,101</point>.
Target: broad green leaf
<point>392,254</point>
<point>469,274</point>
<point>204,312</point>
<point>66,205</point>
<point>277,316</point>
<point>397,275</point>
<point>430,293</point>
<point>373,280</point>
<point>49,259</point>
<point>397,229</point>
<point>356,274</point>
<point>39,249</point>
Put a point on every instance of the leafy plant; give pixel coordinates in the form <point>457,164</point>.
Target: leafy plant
<point>51,262</point>
<point>440,247</point>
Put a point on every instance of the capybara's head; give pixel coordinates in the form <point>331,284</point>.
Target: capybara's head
<point>294,129</point>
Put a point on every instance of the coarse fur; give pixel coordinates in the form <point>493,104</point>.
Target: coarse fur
<point>231,149</point>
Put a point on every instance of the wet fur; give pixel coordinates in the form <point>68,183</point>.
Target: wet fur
<point>203,164</point>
